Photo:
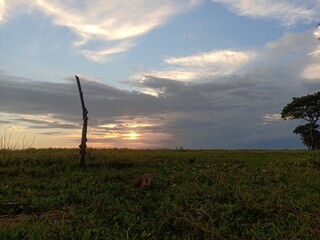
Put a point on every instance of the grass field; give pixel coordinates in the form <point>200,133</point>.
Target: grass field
<point>194,194</point>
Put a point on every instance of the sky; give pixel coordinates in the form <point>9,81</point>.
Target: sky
<point>199,74</point>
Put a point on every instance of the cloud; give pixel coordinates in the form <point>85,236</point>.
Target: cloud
<point>223,113</point>
<point>270,118</point>
<point>220,111</point>
<point>138,131</point>
<point>312,72</point>
<point>179,74</point>
<point>301,43</point>
<point>285,60</point>
<point>296,53</point>
<point>239,109</point>
<point>317,32</point>
<point>213,63</point>
<point>3,7</point>
<point>203,65</point>
<point>47,121</point>
<point>288,12</point>
<point>211,58</point>
<point>12,8</point>
<point>226,113</point>
<point>54,107</point>
<point>114,22</point>
<point>35,97</point>
<point>100,56</point>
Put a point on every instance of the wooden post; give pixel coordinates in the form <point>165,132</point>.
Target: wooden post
<point>83,145</point>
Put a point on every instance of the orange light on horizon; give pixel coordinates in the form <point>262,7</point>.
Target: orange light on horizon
<point>131,136</point>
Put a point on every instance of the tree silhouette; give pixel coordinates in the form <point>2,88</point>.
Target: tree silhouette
<point>306,108</point>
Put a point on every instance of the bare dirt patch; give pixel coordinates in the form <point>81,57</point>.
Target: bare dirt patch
<point>7,220</point>
<point>50,216</point>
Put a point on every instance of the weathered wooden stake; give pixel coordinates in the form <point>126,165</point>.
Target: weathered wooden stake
<point>83,145</point>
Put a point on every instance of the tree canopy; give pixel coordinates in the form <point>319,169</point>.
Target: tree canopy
<point>306,108</point>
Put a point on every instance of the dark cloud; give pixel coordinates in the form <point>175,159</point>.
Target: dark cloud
<point>4,122</point>
<point>56,133</point>
<point>227,112</point>
<point>24,96</point>
<point>42,124</point>
<point>217,113</point>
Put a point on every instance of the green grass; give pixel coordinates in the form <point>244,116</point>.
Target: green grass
<point>219,195</point>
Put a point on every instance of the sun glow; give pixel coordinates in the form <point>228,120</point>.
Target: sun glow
<point>131,136</point>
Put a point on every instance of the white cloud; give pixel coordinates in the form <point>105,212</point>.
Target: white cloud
<point>296,53</point>
<point>288,12</point>
<point>107,21</point>
<point>2,11</point>
<point>9,9</point>
<point>203,65</point>
<point>221,57</point>
<point>270,118</point>
<point>317,32</point>
<point>316,52</point>
<point>292,42</point>
<point>312,72</point>
<point>291,59</point>
<point>173,74</point>
<point>100,56</point>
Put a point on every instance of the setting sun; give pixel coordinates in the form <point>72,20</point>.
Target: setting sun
<point>131,136</point>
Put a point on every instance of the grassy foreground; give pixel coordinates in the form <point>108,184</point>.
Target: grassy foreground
<point>194,194</point>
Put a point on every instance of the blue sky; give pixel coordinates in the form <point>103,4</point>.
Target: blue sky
<point>156,74</point>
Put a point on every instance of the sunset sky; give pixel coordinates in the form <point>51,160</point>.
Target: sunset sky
<point>156,74</point>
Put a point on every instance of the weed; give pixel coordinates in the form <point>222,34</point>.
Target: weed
<point>218,195</point>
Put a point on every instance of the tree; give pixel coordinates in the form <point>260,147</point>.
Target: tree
<point>304,132</point>
<point>306,108</point>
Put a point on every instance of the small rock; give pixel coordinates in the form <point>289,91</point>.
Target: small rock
<point>143,181</point>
